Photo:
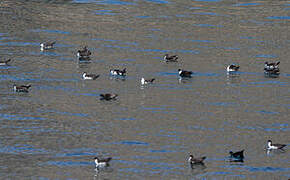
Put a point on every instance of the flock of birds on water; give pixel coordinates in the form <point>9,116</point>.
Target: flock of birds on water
<point>270,70</point>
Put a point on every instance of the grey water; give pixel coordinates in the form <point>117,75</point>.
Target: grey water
<point>56,130</point>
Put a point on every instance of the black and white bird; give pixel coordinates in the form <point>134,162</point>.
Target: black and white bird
<point>194,161</point>
<point>4,62</point>
<point>271,146</point>
<point>271,66</point>
<point>118,72</point>
<point>46,45</point>
<point>233,68</point>
<point>183,73</point>
<point>22,88</point>
<point>84,53</point>
<point>108,96</point>
<point>147,81</point>
<point>90,76</point>
<point>168,58</point>
<point>237,155</point>
<point>102,162</point>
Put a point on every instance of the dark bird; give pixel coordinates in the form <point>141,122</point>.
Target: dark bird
<point>117,72</point>
<point>102,162</point>
<point>183,73</point>
<point>271,66</point>
<point>4,62</point>
<point>147,81</point>
<point>275,146</point>
<point>108,96</point>
<point>194,161</point>
<point>233,68</point>
<point>84,53</point>
<point>22,88</point>
<point>46,45</point>
<point>168,58</point>
<point>90,76</point>
<point>237,155</point>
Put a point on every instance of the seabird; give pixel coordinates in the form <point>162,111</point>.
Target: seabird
<point>237,155</point>
<point>168,58</point>
<point>102,162</point>
<point>117,72</point>
<point>183,73</point>
<point>194,161</point>
<point>90,76</point>
<point>275,146</point>
<point>4,62</point>
<point>22,88</point>
<point>147,81</point>
<point>233,68</point>
<point>46,45</point>
<point>84,53</point>
<point>271,66</point>
<point>108,96</point>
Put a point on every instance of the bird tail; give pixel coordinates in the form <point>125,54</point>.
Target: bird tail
<point>96,77</point>
<point>8,60</point>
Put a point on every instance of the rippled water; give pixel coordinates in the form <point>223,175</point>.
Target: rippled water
<point>55,130</point>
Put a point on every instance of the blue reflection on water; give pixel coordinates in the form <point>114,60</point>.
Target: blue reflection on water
<point>104,2</point>
<point>247,4</point>
<point>279,17</point>
<point>50,31</point>
<point>134,143</point>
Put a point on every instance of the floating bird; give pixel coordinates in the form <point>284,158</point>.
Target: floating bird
<point>233,68</point>
<point>22,88</point>
<point>108,96</point>
<point>271,66</point>
<point>237,155</point>
<point>84,53</point>
<point>168,58</point>
<point>90,76</point>
<point>183,73</point>
<point>117,72</point>
<point>147,81</point>
<point>275,146</point>
<point>102,162</point>
<point>46,45</point>
<point>4,62</point>
<point>194,161</point>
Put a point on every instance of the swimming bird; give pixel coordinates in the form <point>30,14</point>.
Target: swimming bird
<point>84,53</point>
<point>108,96</point>
<point>102,162</point>
<point>271,66</point>
<point>117,72</point>
<point>183,73</point>
<point>233,68</point>
<point>238,154</point>
<point>22,88</point>
<point>147,81</point>
<point>4,62</point>
<point>90,76</point>
<point>194,161</point>
<point>275,146</point>
<point>168,58</point>
<point>46,45</point>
